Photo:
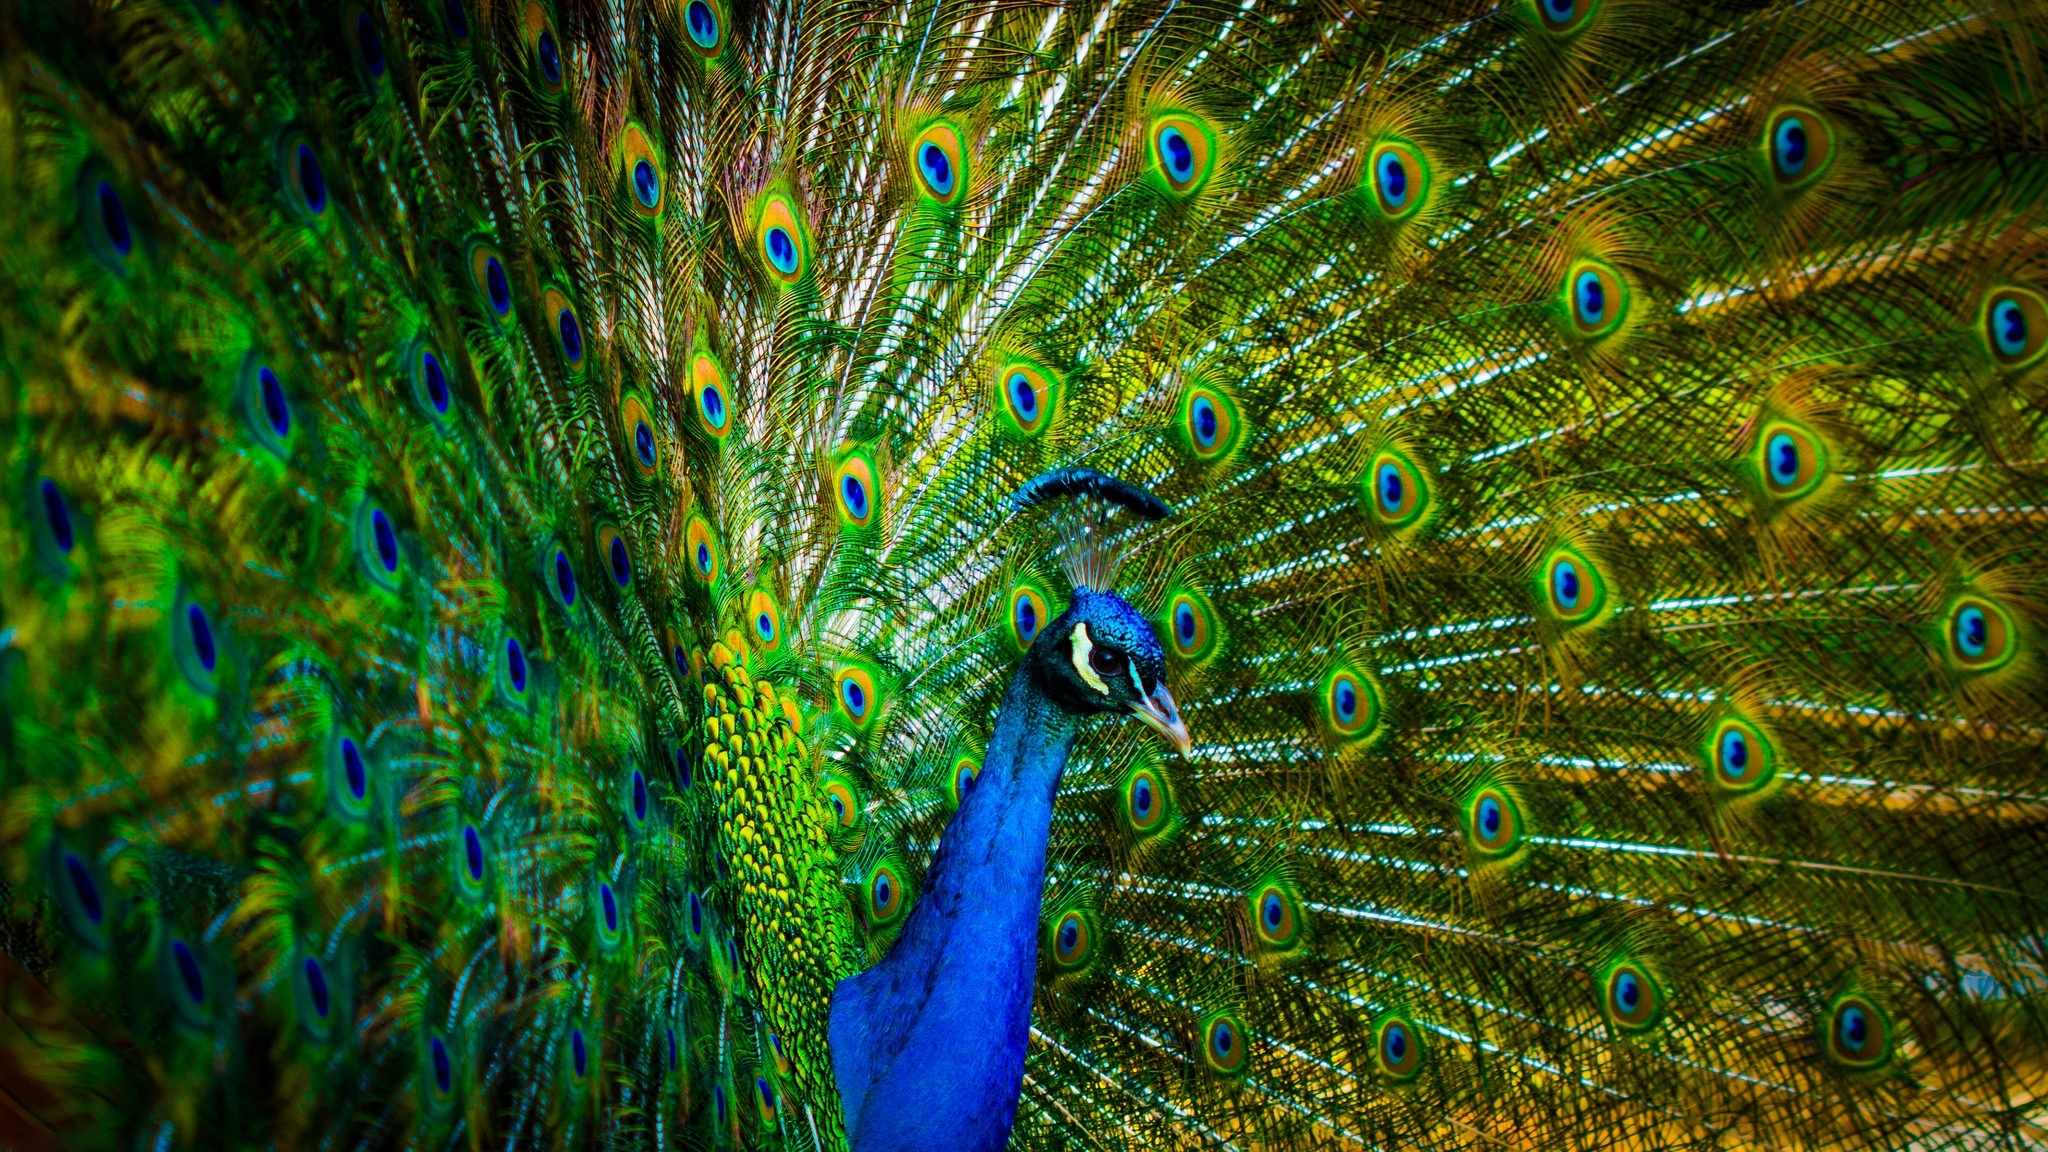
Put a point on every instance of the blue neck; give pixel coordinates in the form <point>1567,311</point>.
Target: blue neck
<point>928,1046</point>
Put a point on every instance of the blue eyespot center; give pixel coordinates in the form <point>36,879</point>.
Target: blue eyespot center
<point>884,891</point>
<point>1973,631</point>
<point>1346,700</point>
<point>188,971</point>
<point>639,795</point>
<point>703,25</point>
<point>437,382</point>
<point>370,45</point>
<point>1591,295</point>
<point>1565,584</point>
<point>1027,619</point>
<point>669,1034</point>
<point>704,558</point>
<point>1393,177</point>
<point>444,1070</point>
<point>114,219</point>
<point>316,987</point>
<point>1025,396</point>
<point>1206,426</point>
<point>1854,1029</point>
<point>1559,11</point>
<point>856,495</point>
<point>1392,488</point>
<point>963,779</point>
<point>1184,624</point>
<point>643,444</point>
<point>646,184</point>
<point>550,56</point>
<point>57,516</point>
<point>611,907</point>
<point>312,182</point>
<point>856,699</point>
<point>572,336</point>
<point>1141,798</point>
<point>497,286</point>
<point>781,250</point>
<point>1783,452</point>
<point>1489,818</point>
<point>938,170</point>
<point>696,914</point>
<point>622,564</point>
<point>201,631</point>
<point>458,21</point>
<point>1222,1038</point>
<point>276,408</point>
<point>1271,910</point>
<point>1734,754</point>
<point>2009,327</point>
<point>578,1052</point>
<point>1177,153</point>
<point>515,665</point>
<point>1628,992</point>
<point>1789,145</point>
<point>1395,1045</point>
<point>83,888</point>
<point>714,406</point>
<point>385,540</point>
<point>1070,934</point>
<point>352,771</point>
<point>764,624</point>
<point>473,852</point>
<point>565,578</point>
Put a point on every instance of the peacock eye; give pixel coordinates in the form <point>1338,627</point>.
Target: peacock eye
<point>1107,662</point>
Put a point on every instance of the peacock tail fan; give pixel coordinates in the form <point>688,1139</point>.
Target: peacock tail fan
<point>514,556</point>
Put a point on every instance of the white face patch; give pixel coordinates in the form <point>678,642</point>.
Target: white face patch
<point>1083,646</point>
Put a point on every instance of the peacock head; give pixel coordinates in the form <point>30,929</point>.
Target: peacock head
<point>1100,656</point>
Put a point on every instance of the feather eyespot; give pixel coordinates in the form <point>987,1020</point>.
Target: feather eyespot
<point>1596,299</point>
<point>454,20</point>
<point>1182,151</point>
<point>708,382</point>
<point>609,926</point>
<point>1799,144</point>
<point>701,550</point>
<point>1570,590</point>
<point>546,49</point>
<point>1145,802</point>
<point>1564,17</point>
<point>186,981</point>
<point>854,692</point>
<point>961,779</point>
<point>764,1098</point>
<point>562,579</point>
<point>51,524</point>
<point>784,242</point>
<point>641,171</point>
<point>840,797</point>
<point>563,326</point>
<point>471,862</point>
<point>365,42</point>
<point>1073,942</point>
<point>303,179</point>
<point>194,647</point>
<point>1400,180</point>
<point>639,429</point>
<point>377,548</point>
<point>854,487</point>
<point>639,800</point>
<point>579,1053</point>
<point>1858,1035</point>
<point>492,284</point>
<point>104,219</point>
<point>1493,824</point>
<point>513,671</point>
<point>1276,916</point>
<point>266,407</point>
<point>1029,614</point>
<point>1223,1045</point>
<point>1191,625</point>
<point>1632,999</point>
<point>1740,759</point>
<point>1397,490</point>
<point>440,1067</point>
<point>1792,460</point>
<point>939,156</point>
<point>348,780</point>
<point>766,618</point>
<point>1210,423</point>
<point>1350,704</point>
<point>2016,326</point>
<point>885,894</point>
<point>618,558</point>
<point>706,28</point>
<point>1027,396</point>
<point>1397,1049</point>
<point>1980,634</point>
<point>427,373</point>
<point>318,995</point>
<point>82,897</point>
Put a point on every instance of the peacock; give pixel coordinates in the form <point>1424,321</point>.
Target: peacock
<point>963,574</point>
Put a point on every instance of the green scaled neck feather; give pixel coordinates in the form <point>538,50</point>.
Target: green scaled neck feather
<point>545,550</point>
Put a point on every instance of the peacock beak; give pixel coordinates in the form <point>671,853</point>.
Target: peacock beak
<point>1159,712</point>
